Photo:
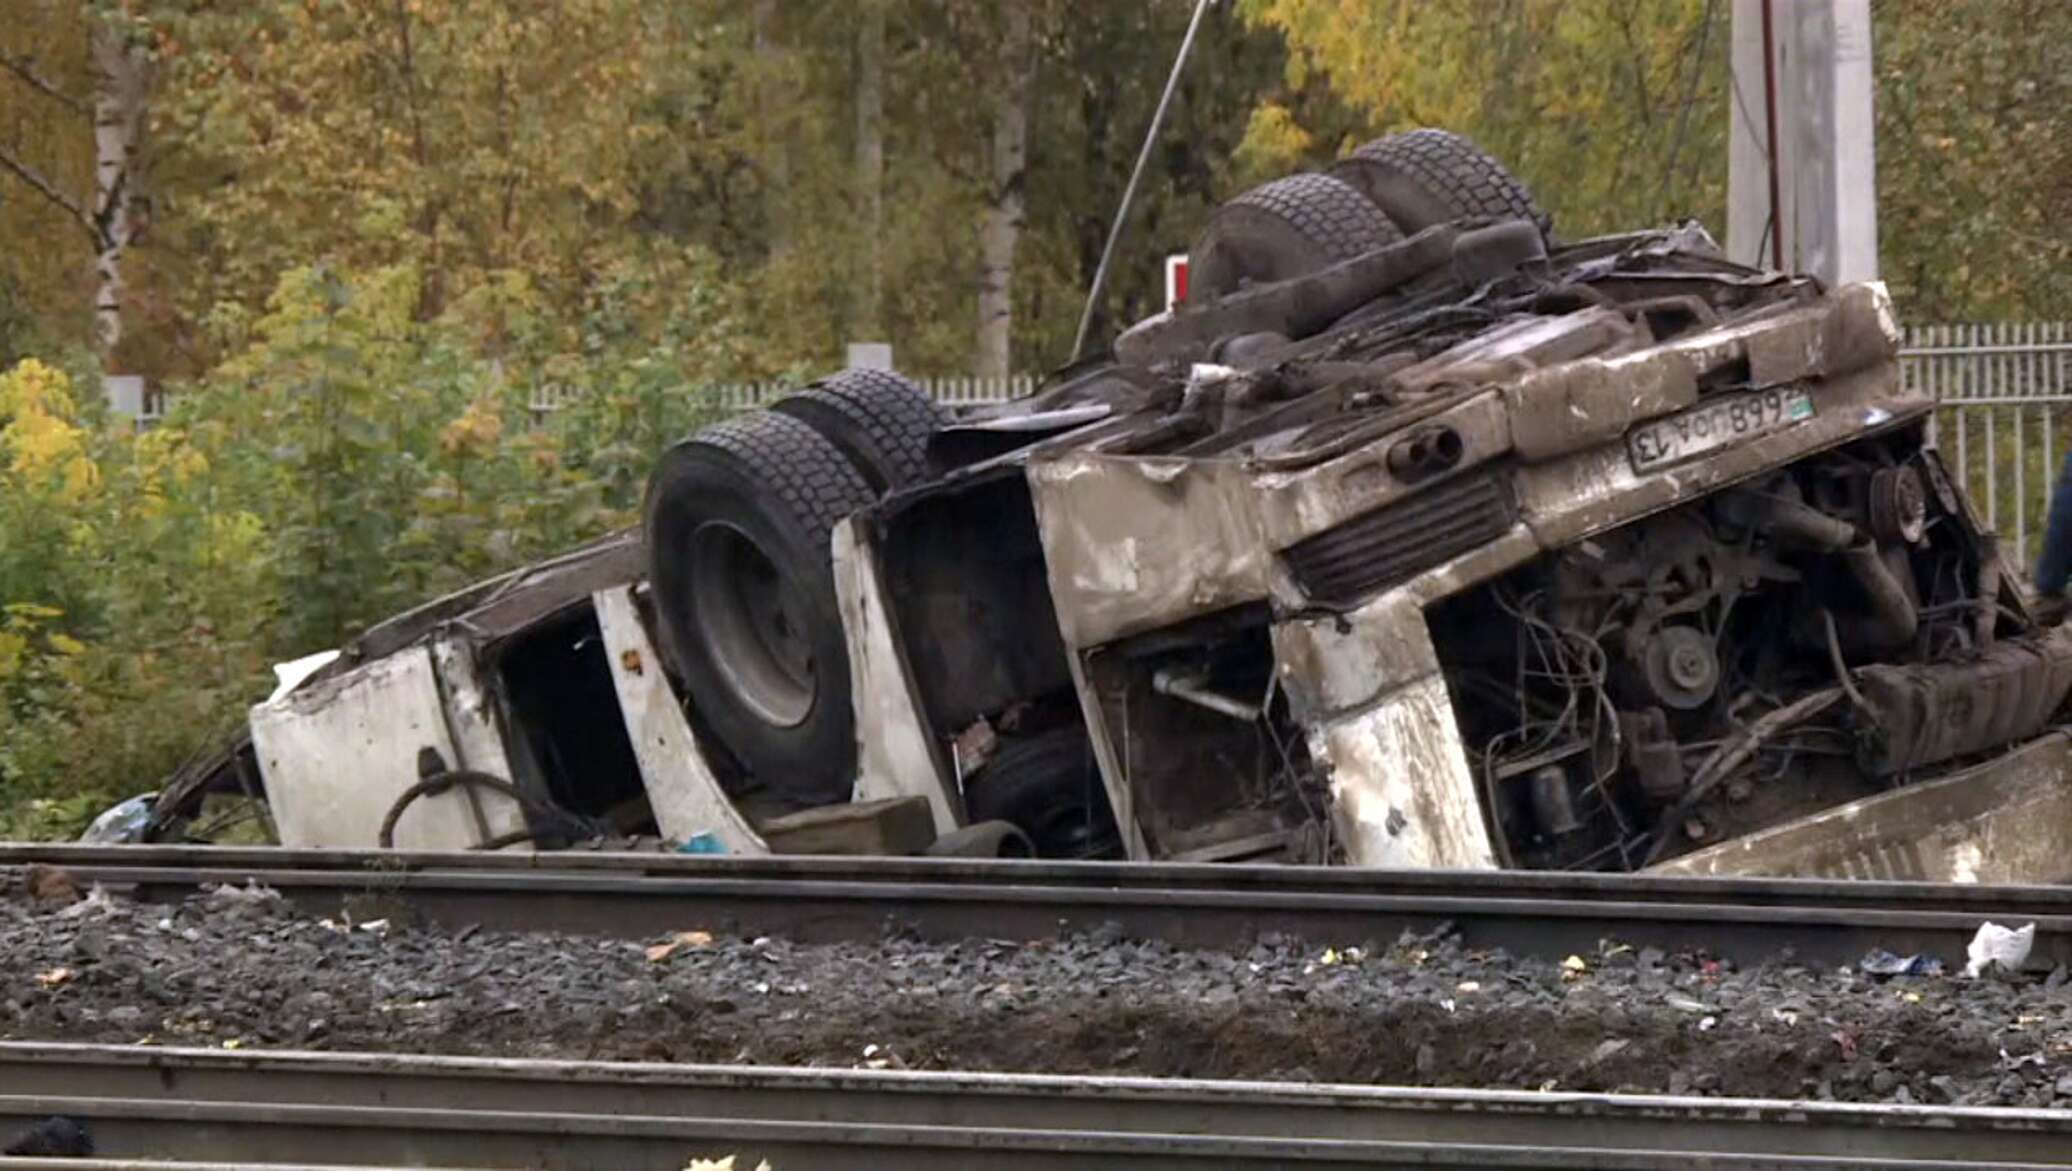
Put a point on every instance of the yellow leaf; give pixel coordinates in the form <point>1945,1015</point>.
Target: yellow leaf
<point>65,644</point>
<point>656,953</point>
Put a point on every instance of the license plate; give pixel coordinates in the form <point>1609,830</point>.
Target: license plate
<point>1714,425</point>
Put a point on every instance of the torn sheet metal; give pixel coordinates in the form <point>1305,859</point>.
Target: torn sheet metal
<point>336,755</point>
<point>1132,544</point>
<point>1403,796</point>
<point>894,756</point>
<point>684,793</point>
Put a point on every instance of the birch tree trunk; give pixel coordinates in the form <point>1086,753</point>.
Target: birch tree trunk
<point>122,87</point>
<point>776,142</point>
<point>1000,226</point>
<point>870,167</point>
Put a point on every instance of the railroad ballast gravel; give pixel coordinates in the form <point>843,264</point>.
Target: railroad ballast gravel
<point>241,968</point>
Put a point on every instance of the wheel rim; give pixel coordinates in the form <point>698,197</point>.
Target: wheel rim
<point>751,619</point>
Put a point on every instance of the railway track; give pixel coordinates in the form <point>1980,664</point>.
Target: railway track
<point>818,899</point>
<point>251,1109</point>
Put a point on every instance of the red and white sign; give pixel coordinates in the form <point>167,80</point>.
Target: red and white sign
<point>1176,279</point>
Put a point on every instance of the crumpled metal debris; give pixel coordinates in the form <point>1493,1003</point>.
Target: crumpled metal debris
<point>1879,962</point>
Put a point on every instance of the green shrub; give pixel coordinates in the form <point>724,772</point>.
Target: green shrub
<point>346,460</point>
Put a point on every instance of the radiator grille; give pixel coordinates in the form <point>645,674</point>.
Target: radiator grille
<point>1402,539</point>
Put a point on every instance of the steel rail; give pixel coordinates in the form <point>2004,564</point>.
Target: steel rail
<point>822,899</point>
<point>249,1107</point>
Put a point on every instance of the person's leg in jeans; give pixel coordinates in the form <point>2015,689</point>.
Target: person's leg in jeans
<point>2055,565</point>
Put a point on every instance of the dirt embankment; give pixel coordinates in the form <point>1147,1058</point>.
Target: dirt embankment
<point>246,970</point>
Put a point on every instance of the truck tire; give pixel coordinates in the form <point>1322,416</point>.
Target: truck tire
<point>737,521</point>
<point>1425,177</point>
<point>1287,228</point>
<point>881,421</point>
<point>1049,786</point>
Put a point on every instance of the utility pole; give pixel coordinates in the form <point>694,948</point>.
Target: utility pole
<point>1802,168</point>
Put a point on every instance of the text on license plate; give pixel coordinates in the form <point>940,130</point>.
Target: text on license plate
<point>1715,424</point>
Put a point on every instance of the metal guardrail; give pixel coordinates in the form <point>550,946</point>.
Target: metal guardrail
<point>397,1110</point>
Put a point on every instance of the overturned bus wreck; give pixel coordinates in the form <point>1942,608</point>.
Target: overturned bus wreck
<point>1415,538</point>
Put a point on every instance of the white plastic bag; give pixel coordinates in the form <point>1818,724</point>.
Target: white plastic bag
<point>2006,946</point>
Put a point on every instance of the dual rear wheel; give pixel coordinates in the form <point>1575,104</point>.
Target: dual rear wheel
<point>737,520</point>
<point>1388,189</point>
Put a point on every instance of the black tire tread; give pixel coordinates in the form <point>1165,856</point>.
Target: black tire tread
<point>801,469</point>
<point>1288,228</point>
<point>800,486</point>
<point>889,418</point>
<point>1328,212</point>
<point>1011,784</point>
<point>1468,180</point>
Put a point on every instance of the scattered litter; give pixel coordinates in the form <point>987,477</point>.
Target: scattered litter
<point>656,953</point>
<point>1879,962</point>
<point>122,823</point>
<point>250,901</point>
<point>1468,986</point>
<point>375,926</point>
<point>2013,1064</point>
<point>55,977</point>
<point>1573,967</point>
<point>703,842</point>
<point>1707,1024</point>
<point>1994,944</point>
<point>1683,1003</point>
<point>97,903</point>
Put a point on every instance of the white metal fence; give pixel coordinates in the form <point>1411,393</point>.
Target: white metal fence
<point>2005,389</point>
<point>743,396</point>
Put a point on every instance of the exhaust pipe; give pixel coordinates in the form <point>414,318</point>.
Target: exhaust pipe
<point>1426,453</point>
